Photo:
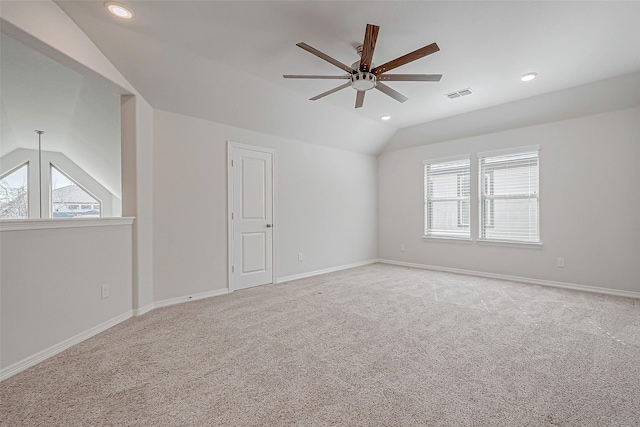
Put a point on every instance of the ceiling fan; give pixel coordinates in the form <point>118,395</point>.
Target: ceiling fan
<point>364,76</point>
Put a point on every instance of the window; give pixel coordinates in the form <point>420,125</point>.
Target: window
<point>446,193</point>
<point>14,193</point>
<point>69,200</point>
<point>62,190</point>
<point>509,202</point>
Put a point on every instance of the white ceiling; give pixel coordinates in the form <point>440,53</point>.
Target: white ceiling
<point>223,61</point>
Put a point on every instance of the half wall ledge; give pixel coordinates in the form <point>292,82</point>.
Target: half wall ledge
<point>49,223</point>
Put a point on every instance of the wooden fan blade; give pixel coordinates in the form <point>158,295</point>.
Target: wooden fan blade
<point>410,77</point>
<point>299,76</point>
<point>329,92</point>
<point>392,93</point>
<point>326,57</point>
<point>369,44</point>
<point>360,98</point>
<point>405,59</point>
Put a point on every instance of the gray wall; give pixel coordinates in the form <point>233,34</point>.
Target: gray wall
<point>325,205</point>
<point>123,256</point>
<point>51,285</point>
<point>589,204</point>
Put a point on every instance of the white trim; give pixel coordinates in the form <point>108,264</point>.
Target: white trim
<point>325,271</point>
<point>143,310</point>
<point>482,197</point>
<point>230,146</point>
<point>448,159</point>
<point>448,239</point>
<point>187,298</point>
<point>32,360</point>
<point>274,205</point>
<point>41,356</point>
<point>507,151</point>
<point>425,201</point>
<point>510,244</point>
<point>250,147</point>
<point>527,280</point>
<point>229,213</point>
<point>49,223</point>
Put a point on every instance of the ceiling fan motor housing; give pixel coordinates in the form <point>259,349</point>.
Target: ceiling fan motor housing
<point>363,80</point>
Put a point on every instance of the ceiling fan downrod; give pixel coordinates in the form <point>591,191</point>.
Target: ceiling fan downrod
<point>362,80</point>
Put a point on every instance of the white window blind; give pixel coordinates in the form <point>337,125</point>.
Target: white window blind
<point>509,203</point>
<point>446,192</point>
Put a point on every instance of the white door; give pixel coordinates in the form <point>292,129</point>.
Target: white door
<point>252,218</point>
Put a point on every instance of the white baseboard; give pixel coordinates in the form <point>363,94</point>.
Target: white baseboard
<point>143,310</point>
<point>202,295</point>
<point>30,361</point>
<point>324,271</point>
<point>573,286</point>
<point>173,301</point>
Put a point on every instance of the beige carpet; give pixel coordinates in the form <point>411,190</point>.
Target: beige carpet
<point>373,346</point>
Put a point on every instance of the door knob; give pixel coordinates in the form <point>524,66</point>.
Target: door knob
<point>269,225</point>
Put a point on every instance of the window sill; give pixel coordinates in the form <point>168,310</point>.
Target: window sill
<point>531,245</point>
<point>447,239</point>
<point>49,223</point>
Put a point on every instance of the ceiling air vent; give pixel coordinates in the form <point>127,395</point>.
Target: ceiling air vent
<point>459,93</point>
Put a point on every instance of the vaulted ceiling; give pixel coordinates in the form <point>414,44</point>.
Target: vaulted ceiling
<point>223,60</point>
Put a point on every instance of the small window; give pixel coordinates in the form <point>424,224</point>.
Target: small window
<point>14,194</point>
<point>509,202</point>
<point>69,200</point>
<point>446,192</point>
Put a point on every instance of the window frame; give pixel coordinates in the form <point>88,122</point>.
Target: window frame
<point>482,196</point>
<point>78,207</point>
<point>39,201</point>
<point>428,231</point>
<point>29,192</point>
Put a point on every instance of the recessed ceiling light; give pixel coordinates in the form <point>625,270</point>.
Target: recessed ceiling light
<point>385,117</point>
<point>528,77</point>
<point>119,10</point>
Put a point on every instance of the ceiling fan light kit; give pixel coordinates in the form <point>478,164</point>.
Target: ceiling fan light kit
<point>363,80</point>
<point>364,76</point>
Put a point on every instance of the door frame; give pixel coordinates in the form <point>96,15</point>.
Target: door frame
<point>230,147</point>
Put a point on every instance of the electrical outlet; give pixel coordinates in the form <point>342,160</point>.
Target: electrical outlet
<point>105,290</point>
<point>401,248</point>
<point>300,256</point>
<point>560,262</point>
